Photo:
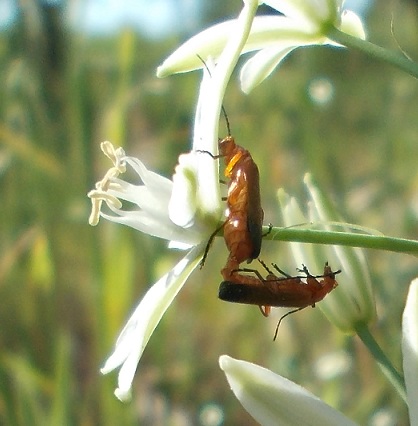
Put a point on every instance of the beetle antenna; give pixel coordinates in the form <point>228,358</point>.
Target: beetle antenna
<point>228,127</point>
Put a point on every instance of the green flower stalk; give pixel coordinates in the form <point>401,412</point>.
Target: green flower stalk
<point>351,304</point>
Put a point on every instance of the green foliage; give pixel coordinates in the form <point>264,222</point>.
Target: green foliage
<point>66,288</point>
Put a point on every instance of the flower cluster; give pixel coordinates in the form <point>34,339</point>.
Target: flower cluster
<point>186,210</point>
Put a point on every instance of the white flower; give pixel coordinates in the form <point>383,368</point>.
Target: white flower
<point>351,304</point>
<point>306,22</point>
<point>274,400</point>
<point>151,215</point>
<point>150,199</point>
<point>184,211</point>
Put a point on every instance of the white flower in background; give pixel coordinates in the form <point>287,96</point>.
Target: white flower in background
<point>184,211</point>
<point>306,23</point>
<point>351,304</point>
<point>272,399</point>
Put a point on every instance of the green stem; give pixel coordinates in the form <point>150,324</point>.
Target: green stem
<point>352,239</point>
<point>397,59</point>
<point>385,365</point>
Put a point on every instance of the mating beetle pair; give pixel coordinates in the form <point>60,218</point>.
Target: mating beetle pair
<point>243,235</point>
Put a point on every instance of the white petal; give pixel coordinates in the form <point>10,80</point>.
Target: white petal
<point>352,24</point>
<point>278,36</point>
<point>152,180</point>
<point>182,206</point>
<point>147,224</point>
<point>205,138</point>
<point>274,400</point>
<point>140,326</point>
<point>210,43</point>
<point>154,202</point>
<point>265,31</point>
<point>261,65</point>
<point>410,350</point>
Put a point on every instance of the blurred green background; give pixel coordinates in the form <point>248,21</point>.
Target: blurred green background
<point>66,288</point>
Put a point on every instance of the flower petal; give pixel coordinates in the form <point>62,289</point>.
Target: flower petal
<point>205,140</point>
<point>142,221</point>
<point>182,206</point>
<point>352,24</point>
<point>153,202</point>
<point>410,350</point>
<point>274,400</point>
<point>209,42</point>
<point>261,65</point>
<point>152,180</point>
<point>140,326</point>
<point>265,31</point>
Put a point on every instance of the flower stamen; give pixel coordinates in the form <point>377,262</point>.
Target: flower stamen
<point>100,194</point>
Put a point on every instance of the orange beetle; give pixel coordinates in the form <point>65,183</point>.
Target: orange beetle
<point>287,291</point>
